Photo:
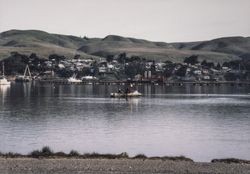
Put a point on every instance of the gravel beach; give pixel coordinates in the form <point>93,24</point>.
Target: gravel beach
<point>115,166</point>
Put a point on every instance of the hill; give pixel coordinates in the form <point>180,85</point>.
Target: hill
<point>44,44</point>
<point>239,46</point>
<point>39,42</point>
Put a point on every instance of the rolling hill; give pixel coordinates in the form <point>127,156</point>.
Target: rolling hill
<point>39,42</point>
<point>44,44</point>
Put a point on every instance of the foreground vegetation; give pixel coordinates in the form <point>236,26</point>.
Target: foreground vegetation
<point>46,152</point>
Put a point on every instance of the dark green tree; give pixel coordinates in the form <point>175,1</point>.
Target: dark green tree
<point>191,60</point>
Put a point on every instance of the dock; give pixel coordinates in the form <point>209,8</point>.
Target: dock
<point>125,82</point>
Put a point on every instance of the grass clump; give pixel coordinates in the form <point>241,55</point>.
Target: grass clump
<point>231,160</point>
<point>178,158</point>
<point>45,152</point>
<point>60,154</point>
<point>11,155</point>
<point>74,153</point>
<point>35,154</point>
<point>140,156</point>
<point>106,156</point>
<point>173,158</point>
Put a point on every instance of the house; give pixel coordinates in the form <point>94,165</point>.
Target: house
<point>206,77</point>
<point>103,67</point>
<point>197,72</point>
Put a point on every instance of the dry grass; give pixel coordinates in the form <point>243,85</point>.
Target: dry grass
<point>44,44</point>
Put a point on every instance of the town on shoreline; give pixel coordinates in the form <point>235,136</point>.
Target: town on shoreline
<point>124,69</point>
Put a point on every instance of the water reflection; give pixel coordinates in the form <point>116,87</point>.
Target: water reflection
<point>4,90</point>
<point>167,120</point>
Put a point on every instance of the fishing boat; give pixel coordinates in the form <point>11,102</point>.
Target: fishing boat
<point>24,77</point>
<point>124,95</point>
<point>3,80</point>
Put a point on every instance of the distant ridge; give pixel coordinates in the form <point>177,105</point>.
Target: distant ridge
<point>44,44</point>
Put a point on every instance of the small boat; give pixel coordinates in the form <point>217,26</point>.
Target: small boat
<point>24,77</point>
<point>124,95</point>
<point>3,80</point>
<point>73,79</point>
<point>89,78</point>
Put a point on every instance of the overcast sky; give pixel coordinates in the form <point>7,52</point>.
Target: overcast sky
<point>157,20</point>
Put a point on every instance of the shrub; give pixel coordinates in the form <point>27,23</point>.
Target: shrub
<point>74,153</point>
<point>60,154</point>
<point>35,154</point>
<point>140,156</point>
<point>230,160</point>
<point>177,158</point>
<point>46,151</point>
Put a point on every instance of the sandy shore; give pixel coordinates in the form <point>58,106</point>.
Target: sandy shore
<point>114,166</point>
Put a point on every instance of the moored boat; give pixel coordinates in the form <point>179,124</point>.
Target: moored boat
<point>73,79</point>
<point>24,77</point>
<point>124,95</point>
<point>3,80</point>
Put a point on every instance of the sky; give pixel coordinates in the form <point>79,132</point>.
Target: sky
<point>156,20</point>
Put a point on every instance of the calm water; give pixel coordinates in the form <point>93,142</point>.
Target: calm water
<point>199,122</point>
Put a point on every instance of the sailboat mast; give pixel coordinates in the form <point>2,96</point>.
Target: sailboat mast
<point>24,74</point>
<point>29,71</point>
<point>3,68</point>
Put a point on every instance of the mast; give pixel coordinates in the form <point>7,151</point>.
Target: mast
<point>3,68</point>
<point>29,71</point>
<point>24,74</point>
<point>25,71</point>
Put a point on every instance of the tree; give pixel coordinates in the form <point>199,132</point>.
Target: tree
<point>168,62</point>
<point>191,60</point>
<point>77,56</point>
<point>204,63</point>
<point>122,57</point>
<point>110,58</point>
<point>56,57</point>
<point>235,64</point>
<point>181,71</point>
<point>86,38</point>
<point>135,58</point>
<point>16,63</point>
<point>218,66</point>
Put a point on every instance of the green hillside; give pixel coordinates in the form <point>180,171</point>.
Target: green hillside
<point>39,42</point>
<point>44,44</point>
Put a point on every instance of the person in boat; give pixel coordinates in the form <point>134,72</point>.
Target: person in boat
<point>131,88</point>
<point>127,91</point>
<point>119,91</point>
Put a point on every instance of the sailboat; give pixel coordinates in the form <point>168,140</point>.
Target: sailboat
<point>24,77</point>
<point>3,80</point>
<point>73,79</point>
